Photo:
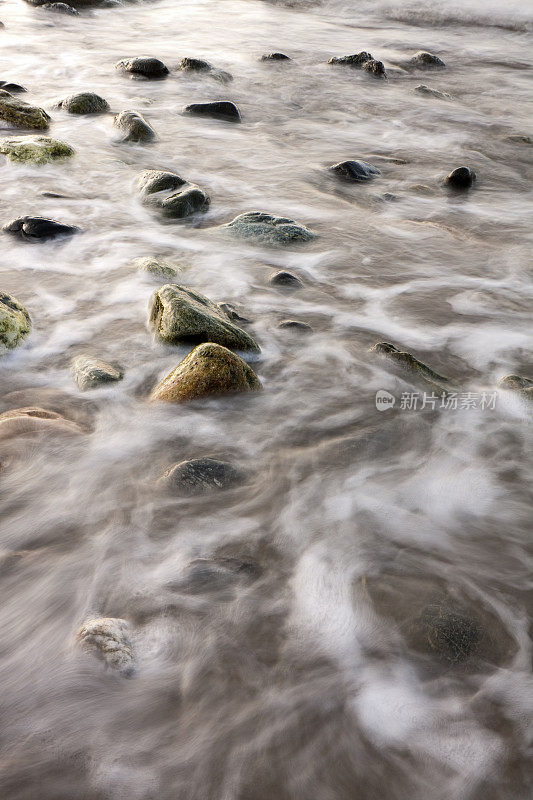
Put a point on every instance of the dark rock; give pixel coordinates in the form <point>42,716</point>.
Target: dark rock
<point>202,474</point>
<point>197,65</point>
<point>84,103</point>
<point>39,228</point>
<point>408,362</point>
<point>375,68</point>
<point>134,126</point>
<point>295,325</point>
<point>170,194</point>
<point>20,114</point>
<point>423,60</point>
<point>147,67</point>
<point>91,372</point>
<point>461,178</point>
<point>60,8</point>
<point>453,635</point>
<point>15,323</point>
<point>356,171</point>
<point>515,383</point>
<point>275,57</point>
<point>284,279</point>
<point>265,227</point>
<point>12,88</point>
<point>356,60</point>
<point>222,109</point>
<point>230,310</point>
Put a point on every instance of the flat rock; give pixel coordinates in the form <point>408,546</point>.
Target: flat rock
<point>200,475</point>
<point>15,323</point>
<point>355,171</point>
<point>35,149</point>
<point>171,195</point>
<point>426,91</point>
<point>19,114</point>
<point>285,279</point>
<point>39,228</point>
<point>91,372</point>
<point>221,109</point>
<point>84,103</point>
<point>134,126</point>
<point>209,370</point>
<point>146,67</point>
<point>424,60</point>
<point>156,267</point>
<point>108,639</point>
<point>35,420</point>
<point>263,227</point>
<point>178,314</point>
<point>197,65</point>
<point>356,60</point>
<point>461,178</point>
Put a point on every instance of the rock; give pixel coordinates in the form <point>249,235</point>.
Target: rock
<point>230,311</point>
<point>283,278</point>
<point>170,194</point>
<point>423,60</point>
<point>12,88</point>
<point>216,574</point>
<point>108,638</point>
<point>268,228</point>
<point>453,635</point>
<point>408,362</point>
<point>84,103</point>
<point>461,178</point>
<point>60,8</point>
<point>275,57</point>
<point>178,314</point>
<point>15,323</point>
<point>156,267</point>
<point>91,372</point>
<point>375,68</point>
<point>146,67</point>
<point>518,138</point>
<point>355,171</point>
<point>221,109</point>
<point>518,384</point>
<point>20,114</point>
<point>295,325</point>
<point>357,60</point>
<point>35,149</point>
<point>197,65</point>
<point>39,228</point>
<point>200,475</point>
<point>134,126</point>
<point>21,421</point>
<point>209,370</point>
<point>427,92</point>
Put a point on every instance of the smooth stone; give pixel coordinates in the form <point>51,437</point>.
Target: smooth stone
<point>199,475</point>
<point>15,323</point>
<point>356,60</point>
<point>35,149</point>
<point>12,88</point>
<point>230,311</point>
<point>424,60</point>
<point>283,278</point>
<point>134,126</point>
<point>216,574</point>
<point>34,228</point>
<point>20,114</point>
<point>408,362</point>
<point>178,314</point>
<point>209,370</point>
<point>461,178</point>
<point>520,385</point>
<point>426,91</point>
<point>265,227</point>
<point>221,109</point>
<point>90,372</point>
<point>108,638</point>
<point>357,171</point>
<point>157,267</point>
<point>32,419</point>
<point>147,67</point>
<point>275,57</point>
<point>198,65</point>
<point>60,8</point>
<point>181,199</point>
<point>295,325</point>
<point>84,103</point>
<point>375,68</point>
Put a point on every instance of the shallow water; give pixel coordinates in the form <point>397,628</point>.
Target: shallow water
<point>303,672</point>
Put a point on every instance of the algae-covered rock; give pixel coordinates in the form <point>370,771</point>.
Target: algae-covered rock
<point>134,126</point>
<point>35,420</point>
<point>263,227</point>
<point>516,383</point>
<point>411,364</point>
<point>424,60</point>
<point>355,171</point>
<point>375,68</point>
<point>208,370</point>
<point>84,103</point>
<point>171,195</point>
<point>146,67</point>
<point>356,60</point>
<point>220,109</point>
<point>108,638</point>
<point>39,228</point>
<point>35,149</point>
<point>178,314</point>
<point>19,114</point>
<point>199,66</point>
<point>156,267</point>
<point>200,475</point>
<point>91,372</point>
<point>15,323</point>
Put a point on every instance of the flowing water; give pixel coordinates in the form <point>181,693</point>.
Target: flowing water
<point>299,660</point>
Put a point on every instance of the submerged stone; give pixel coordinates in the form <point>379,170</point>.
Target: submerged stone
<point>146,66</point>
<point>84,103</point>
<point>356,171</point>
<point>60,8</point>
<point>39,228</point>
<point>221,109</point>
<point>35,149</point>
<point>200,475</point>
<point>410,363</point>
<point>198,65</point>
<point>20,114</point>
<point>109,640</point>
<point>516,383</point>
<point>295,325</point>
<point>424,60</point>
<point>275,57</point>
<point>426,91</point>
<point>32,419</point>
<point>461,178</point>
<point>134,126</point>
<point>15,323</point>
<point>157,267</point>
<point>284,278</point>
<point>91,372</point>
<point>171,195</point>
<point>265,227</point>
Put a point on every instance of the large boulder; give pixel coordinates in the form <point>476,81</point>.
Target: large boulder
<point>108,639</point>
<point>91,372</point>
<point>200,475</point>
<point>171,195</point>
<point>15,323</point>
<point>84,103</point>
<point>39,228</point>
<point>142,66</point>
<point>263,227</point>
<point>35,149</point>
<point>20,114</point>
<point>221,109</point>
<point>208,370</point>
<point>197,65</point>
<point>35,420</point>
<point>134,126</point>
<point>178,314</point>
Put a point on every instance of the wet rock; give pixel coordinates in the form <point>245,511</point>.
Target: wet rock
<point>454,636</point>
<point>84,103</point>
<point>424,60</point>
<point>283,278</point>
<point>356,60</point>
<point>20,114</point>
<point>142,66</point>
<point>197,65</point>
<point>216,574</point>
<point>275,57</point>
<point>426,91</point>
<point>157,267</point>
<point>60,8</point>
<point>461,178</point>
<point>355,171</point>
<point>209,370</point>
<point>12,88</point>
<point>200,475</point>
<point>35,149</point>
<point>90,372</point>
<point>108,638</point>
<point>375,68</point>
<point>15,323</point>
<point>39,228</point>
<point>411,364</point>
<point>134,126</point>
<point>230,311</point>
<point>518,138</point>
<point>221,109</point>
<point>516,383</point>
<point>295,325</point>
<point>170,194</point>
<point>35,420</point>
<point>264,227</point>
<point>178,314</point>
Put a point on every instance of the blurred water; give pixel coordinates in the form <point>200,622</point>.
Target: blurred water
<point>301,678</point>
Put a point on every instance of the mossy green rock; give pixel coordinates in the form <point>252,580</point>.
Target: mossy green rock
<point>20,114</point>
<point>156,267</point>
<point>35,149</point>
<point>84,103</point>
<point>208,370</point>
<point>411,364</point>
<point>179,315</point>
<point>263,227</point>
<point>15,323</point>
